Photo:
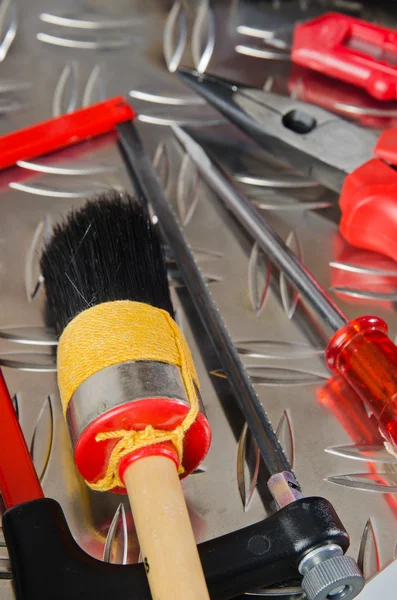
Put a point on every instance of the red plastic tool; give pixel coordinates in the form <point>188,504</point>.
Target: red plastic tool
<point>349,49</point>
<point>18,479</point>
<point>368,200</point>
<point>63,131</point>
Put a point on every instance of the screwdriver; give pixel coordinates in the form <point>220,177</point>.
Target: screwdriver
<point>359,349</point>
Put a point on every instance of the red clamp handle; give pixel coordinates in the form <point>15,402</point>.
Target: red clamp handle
<point>351,50</point>
<point>368,200</point>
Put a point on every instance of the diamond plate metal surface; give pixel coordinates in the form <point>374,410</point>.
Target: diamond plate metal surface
<point>63,56</point>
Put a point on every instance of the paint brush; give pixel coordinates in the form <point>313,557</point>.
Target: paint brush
<point>127,381</point>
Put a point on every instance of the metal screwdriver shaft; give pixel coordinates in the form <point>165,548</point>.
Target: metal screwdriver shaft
<point>269,241</point>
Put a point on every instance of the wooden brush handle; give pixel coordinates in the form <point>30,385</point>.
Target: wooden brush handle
<point>164,530</point>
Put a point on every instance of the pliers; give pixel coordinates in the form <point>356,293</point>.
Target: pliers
<point>342,156</point>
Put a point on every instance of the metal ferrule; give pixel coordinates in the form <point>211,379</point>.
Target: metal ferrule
<point>120,384</point>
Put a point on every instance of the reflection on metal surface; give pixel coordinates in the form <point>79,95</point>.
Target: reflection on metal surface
<point>175,279</point>
<point>346,405</point>
<point>375,453</point>
<point>278,376</point>
<point>112,42</point>
<point>159,120</point>
<point>253,32</point>
<point>289,295</point>
<point>279,592</point>
<point>285,434</point>
<point>161,163</point>
<point>253,470</point>
<point>168,100</point>
<point>42,438</point>
<point>367,111</point>
<point>33,277</point>
<point>37,336</point>
<point>279,181</point>
<point>343,266</point>
<point>365,294</point>
<point>70,169</point>
<point>259,272</point>
<point>94,90</point>
<point>276,349</point>
<point>8,24</point>
<point>67,78</point>
<point>368,556</point>
<point>283,203</point>
<point>116,545</point>
<point>218,373</point>
<point>265,53</point>
<point>205,254</point>
<point>65,98</point>
<point>175,36</point>
<point>29,361</point>
<point>363,274</point>
<point>367,482</point>
<point>8,85</point>
<point>43,190</point>
<point>187,190</point>
<point>9,107</point>
<point>203,36</point>
<point>87,21</point>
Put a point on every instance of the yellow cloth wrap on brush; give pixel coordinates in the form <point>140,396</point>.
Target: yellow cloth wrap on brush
<point>115,332</point>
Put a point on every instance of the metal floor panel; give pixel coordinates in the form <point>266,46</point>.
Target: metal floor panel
<point>69,54</point>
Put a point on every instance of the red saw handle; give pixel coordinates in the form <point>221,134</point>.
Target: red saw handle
<point>351,50</point>
<point>63,131</point>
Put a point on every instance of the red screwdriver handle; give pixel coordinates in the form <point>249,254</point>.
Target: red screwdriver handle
<point>362,352</point>
<point>351,50</point>
<point>18,479</point>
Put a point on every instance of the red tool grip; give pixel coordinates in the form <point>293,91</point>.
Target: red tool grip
<point>18,479</point>
<point>368,200</point>
<point>63,131</point>
<point>362,352</point>
<point>351,50</point>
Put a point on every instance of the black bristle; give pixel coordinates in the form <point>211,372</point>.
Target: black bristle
<point>107,250</point>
